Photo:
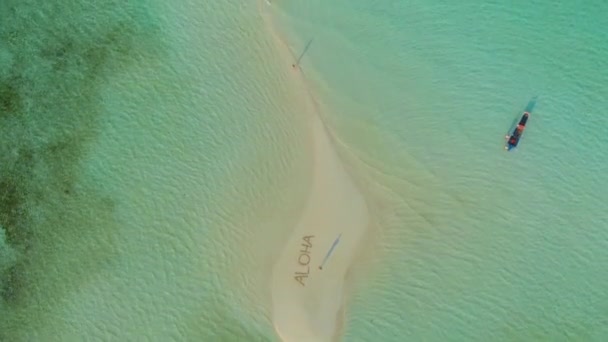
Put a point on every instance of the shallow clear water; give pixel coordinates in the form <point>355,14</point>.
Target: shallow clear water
<point>510,246</point>
<point>146,149</point>
<point>136,174</point>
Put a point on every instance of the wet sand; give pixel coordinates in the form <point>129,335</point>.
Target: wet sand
<point>306,299</point>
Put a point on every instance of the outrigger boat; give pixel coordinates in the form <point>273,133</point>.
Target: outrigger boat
<point>513,139</point>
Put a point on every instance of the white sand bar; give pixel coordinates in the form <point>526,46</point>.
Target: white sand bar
<point>307,300</point>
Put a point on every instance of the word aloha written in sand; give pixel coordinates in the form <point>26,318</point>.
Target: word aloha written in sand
<point>304,260</point>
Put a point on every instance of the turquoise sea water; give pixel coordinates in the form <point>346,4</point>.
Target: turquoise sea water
<point>146,147</point>
<point>505,246</point>
<point>134,170</point>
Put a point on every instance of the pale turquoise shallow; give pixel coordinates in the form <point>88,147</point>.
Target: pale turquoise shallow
<point>515,245</point>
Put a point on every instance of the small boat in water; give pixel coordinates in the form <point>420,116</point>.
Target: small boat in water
<point>515,135</point>
<point>513,138</point>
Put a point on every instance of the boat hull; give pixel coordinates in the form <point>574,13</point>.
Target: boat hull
<point>515,136</point>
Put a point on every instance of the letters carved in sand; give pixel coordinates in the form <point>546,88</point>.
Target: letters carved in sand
<point>304,260</point>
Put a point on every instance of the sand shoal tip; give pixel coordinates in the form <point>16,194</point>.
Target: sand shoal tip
<point>306,299</point>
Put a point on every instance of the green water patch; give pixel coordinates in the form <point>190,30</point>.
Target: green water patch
<point>14,175</point>
<point>10,102</point>
<point>54,57</point>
